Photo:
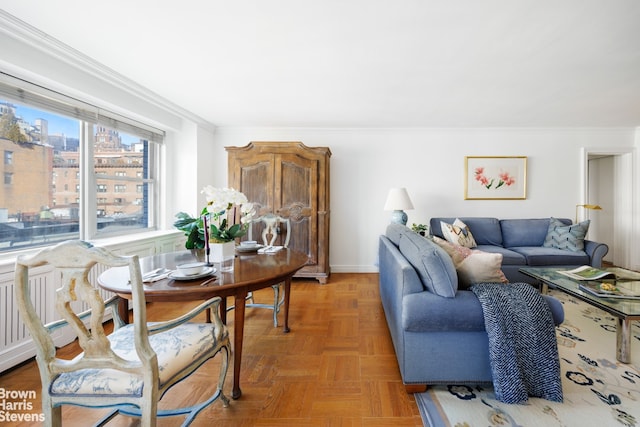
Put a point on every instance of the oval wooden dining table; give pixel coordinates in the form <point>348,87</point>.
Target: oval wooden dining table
<point>251,272</point>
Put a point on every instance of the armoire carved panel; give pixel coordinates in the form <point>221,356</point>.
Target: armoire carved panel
<point>291,180</point>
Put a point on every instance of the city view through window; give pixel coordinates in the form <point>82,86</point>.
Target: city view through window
<point>42,198</point>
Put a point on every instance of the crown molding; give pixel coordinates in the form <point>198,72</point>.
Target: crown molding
<point>12,27</point>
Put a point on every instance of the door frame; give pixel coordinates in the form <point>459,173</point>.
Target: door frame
<point>624,200</point>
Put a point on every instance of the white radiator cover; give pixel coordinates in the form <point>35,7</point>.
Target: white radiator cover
<point>16,345</point>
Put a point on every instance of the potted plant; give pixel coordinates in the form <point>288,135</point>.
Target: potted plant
<point>211,228</point>
<point>193,228</point>
<point>421,229</point>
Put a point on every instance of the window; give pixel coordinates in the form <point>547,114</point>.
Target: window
<point>122,157</point>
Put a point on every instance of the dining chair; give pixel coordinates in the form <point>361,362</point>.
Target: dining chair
<point>272,226</point>
<point>128,370</point>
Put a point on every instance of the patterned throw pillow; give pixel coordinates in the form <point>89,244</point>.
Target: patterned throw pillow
<point>567,237</point>
<point>458,233</point>
<point>472,265</point>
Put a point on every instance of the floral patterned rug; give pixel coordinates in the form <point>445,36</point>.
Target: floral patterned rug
<point>598,390</point>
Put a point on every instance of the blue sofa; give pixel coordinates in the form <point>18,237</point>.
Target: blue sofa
<point>520,243</point>
<point>438,330</point>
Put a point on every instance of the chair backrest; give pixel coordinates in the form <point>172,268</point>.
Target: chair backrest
<point>73,261</point>
<point>272,227</point>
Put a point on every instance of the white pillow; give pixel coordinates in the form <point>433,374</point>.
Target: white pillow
<point>458,233</point>
<point>472,265</point>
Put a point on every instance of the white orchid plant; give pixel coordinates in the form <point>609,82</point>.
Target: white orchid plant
<point>212,224</point>
<point>221,201</point>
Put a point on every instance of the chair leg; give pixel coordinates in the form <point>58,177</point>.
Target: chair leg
<point>52,416</point>
<point>223,374</point>
<point>276,307</point>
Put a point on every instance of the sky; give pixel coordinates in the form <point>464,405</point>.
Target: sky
<point>57,124</point>
<point>60,125</point>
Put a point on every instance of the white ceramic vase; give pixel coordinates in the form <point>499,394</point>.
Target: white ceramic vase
<point>223,255</point>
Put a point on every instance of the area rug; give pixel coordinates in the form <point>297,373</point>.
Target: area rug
<point>598,390</point>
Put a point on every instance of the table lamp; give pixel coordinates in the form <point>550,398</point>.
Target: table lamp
<point>398,200</point>
<point>594,207</point>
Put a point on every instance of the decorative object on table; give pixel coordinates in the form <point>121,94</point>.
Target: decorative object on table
<point>397,201</point>
<point>421,229</point>
<point>206,271</point>
<point>193,228</point>
<point>592,207</point>
<point>223,203</point>
<point>191,268</point>
<point>598,390</point>
<point>494,178</point>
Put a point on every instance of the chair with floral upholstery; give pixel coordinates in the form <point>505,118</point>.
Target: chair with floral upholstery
<point>130,369</point>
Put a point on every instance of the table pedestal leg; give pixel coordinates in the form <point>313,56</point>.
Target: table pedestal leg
<point>223,310</point>
<point>238,332</point>
<point>123,309</point>
<point>623,340</point>
<point>287,293</point>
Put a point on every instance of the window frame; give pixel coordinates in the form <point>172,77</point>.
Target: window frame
<point>91,117</point>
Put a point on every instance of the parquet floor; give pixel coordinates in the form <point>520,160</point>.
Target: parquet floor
<point>335,368</point>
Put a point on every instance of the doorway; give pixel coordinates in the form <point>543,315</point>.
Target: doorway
<point>608,182</point>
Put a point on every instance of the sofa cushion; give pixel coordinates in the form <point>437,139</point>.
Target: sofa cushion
<point>486,231</point>
<point>541,256</point>
<point>458,233</point>
<point>509,257</point>
<point>394,231</point>
<point>524,232</point>
<point>473,266</point>
<point>568,237</point>
<point>432,263</point>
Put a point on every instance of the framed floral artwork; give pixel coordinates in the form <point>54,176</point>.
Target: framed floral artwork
<point>493,178</point>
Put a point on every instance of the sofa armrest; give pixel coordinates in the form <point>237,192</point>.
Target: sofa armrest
<point>395,271</point>
<point>596,252</point>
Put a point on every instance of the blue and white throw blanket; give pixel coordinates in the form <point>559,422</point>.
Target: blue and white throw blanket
<point>522,342</point>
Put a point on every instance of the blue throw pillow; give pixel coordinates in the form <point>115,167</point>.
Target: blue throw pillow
<point>567,237</point>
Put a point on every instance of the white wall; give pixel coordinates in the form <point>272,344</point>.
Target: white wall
<point>430,163</point>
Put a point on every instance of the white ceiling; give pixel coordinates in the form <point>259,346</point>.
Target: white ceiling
<point>367,63</point>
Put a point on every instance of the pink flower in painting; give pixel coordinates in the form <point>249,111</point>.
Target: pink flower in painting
<point>482,179</point>
<point>505,178</point>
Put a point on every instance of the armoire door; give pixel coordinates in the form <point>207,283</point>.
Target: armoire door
<point>290,180</point>
<point>295,193</point>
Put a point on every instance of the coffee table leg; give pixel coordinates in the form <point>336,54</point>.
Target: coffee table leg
<point>238,332</point>
<point>623,340</point>
<point>287,293</point>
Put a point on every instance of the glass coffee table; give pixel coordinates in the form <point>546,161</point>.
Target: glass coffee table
<point>625,310</point>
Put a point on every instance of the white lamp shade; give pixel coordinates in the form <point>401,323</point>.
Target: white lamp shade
<point>398,200</point>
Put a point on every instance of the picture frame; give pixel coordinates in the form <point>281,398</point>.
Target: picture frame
<point>495,178</point>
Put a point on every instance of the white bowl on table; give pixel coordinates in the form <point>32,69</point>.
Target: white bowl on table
<point>191,269</point>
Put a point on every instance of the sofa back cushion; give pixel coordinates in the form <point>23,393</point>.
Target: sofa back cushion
<point>525,232</point>
<point>486,231</point>
<point>433,265</point>
<point>394,232</point>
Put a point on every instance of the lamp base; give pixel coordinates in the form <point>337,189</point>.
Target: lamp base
<point>399,217</point>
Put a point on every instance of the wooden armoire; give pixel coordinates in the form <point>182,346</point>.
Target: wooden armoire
<point>291,180</point>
